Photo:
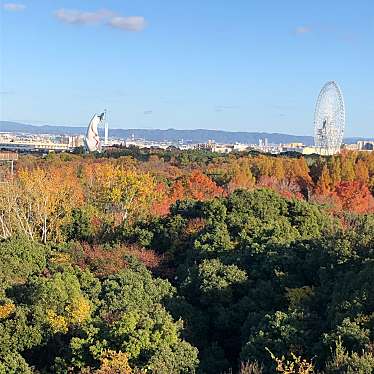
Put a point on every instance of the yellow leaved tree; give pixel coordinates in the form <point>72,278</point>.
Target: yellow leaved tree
<point>124,193</point>
<point>37,202</point>
<point>295,365</point>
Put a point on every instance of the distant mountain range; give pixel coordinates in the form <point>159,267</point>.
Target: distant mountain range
<point>194,136</point>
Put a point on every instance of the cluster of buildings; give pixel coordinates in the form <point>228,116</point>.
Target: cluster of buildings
<point>66,143</point>
<point>43,142</point>
<point>271,148</point>
<point>361,145</point>
<point>329,125</point>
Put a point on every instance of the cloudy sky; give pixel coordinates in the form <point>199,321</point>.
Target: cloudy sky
<point>241,65</point>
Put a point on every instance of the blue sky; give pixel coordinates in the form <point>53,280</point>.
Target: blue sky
<point>240,65</point>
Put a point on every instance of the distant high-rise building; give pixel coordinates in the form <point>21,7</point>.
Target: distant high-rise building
<point>106,133</point>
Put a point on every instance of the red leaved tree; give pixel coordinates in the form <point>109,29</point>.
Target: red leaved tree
<point>353,196</point>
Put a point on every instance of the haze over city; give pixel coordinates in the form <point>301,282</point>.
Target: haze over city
<point>249,66</point>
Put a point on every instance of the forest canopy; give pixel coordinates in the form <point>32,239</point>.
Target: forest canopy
<point>152,261</point>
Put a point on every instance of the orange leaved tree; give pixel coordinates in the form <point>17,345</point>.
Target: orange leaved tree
<point>354,197</point>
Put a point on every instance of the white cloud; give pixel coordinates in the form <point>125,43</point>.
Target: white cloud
<point>14,7</point>
<point>103,16</point>
<point>303,30</point>
<point>83,18</point>
<point>221,108</point>
<point>133,23</point>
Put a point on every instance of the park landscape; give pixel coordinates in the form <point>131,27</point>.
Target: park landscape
<point>169,261</point>
<point>215,215</point>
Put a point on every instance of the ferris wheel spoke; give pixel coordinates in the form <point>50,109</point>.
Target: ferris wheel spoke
<point>329,119</point>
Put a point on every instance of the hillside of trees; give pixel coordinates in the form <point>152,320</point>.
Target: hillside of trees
<point>152,261</point>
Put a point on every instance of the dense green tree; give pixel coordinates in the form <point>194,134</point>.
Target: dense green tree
<point>19,259</point>
<point>80,227</point>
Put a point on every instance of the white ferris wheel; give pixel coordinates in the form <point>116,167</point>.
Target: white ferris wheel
<point>329,119</point>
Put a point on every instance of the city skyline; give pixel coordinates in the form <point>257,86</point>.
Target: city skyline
<point>243,67</point>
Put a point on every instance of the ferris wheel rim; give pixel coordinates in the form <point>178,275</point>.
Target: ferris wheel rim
<point>329,118</point>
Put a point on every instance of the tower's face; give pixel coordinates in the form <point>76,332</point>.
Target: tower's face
<point>329,119</point>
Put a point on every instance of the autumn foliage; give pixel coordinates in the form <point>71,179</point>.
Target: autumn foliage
<point>104,261</point>
<point>170,261</point>
<point>114,191</point>
<point>353,196</point>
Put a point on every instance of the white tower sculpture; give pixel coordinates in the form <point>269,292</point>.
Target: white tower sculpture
<point>92,139</point>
